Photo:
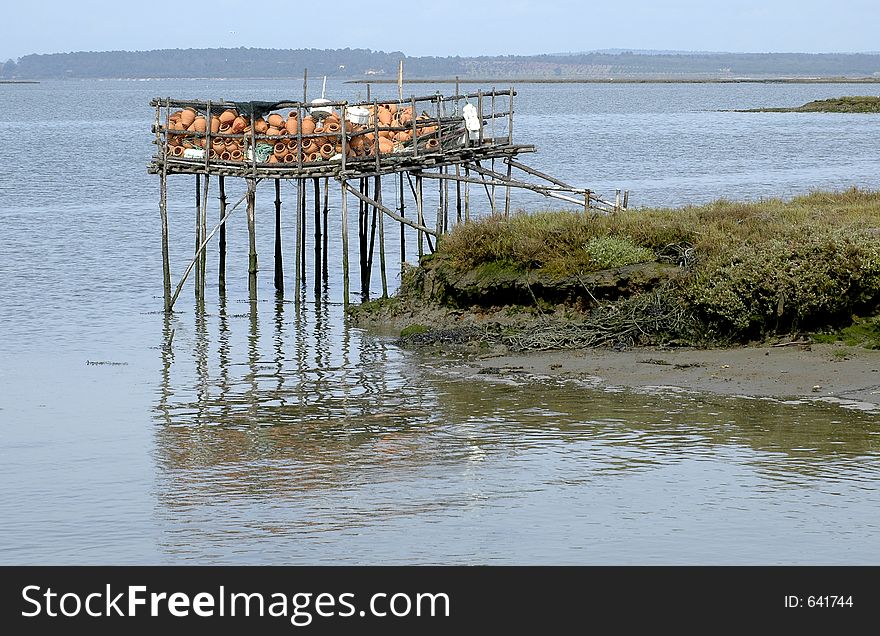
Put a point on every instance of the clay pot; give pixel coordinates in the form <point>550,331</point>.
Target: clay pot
<point>231,145</point>
<point>275,120</point>
<point>309,146</point>
<point>227,116</point>
<point>308,125</point>
<point>260,126</point>
<point>187,116</point>
<point>215,124</point>
<point>199,124</point>
<point>273,159</point>
<point>225,128</point>
<point>405,116</point>
<point>280,149</point>
<point>384,116</point>
<point>332,128</point>
<point>327,150</point>
<point>289,158</point>
<point>225,155</point>
<point>218,146</point>
<point>238,125</point>
<point>387,134</point>
<point>236,155</point>
<point>273,131</point>
<point>315,156</point>
<point>292,145</point>
<point>291,125</point>
<point>177,151</point>
<point>432,144</point>
<point>386,146</point>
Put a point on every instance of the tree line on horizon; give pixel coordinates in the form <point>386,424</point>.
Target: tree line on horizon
<point>358,63</point>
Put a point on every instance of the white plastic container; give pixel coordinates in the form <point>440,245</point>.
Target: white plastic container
<point>319,107</point>
<point>194,153</point>
<point>357,115</point>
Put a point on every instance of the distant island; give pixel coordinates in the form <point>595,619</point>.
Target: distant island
<point>852,104</point>
<point>365,64</point>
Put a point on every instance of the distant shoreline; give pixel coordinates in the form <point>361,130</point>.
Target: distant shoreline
<point>19,82</point>
<point>626,80</point>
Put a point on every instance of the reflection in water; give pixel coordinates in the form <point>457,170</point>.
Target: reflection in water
<point>313,442</point>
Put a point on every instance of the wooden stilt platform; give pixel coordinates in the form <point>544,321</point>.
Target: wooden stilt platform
<point>442,138</point>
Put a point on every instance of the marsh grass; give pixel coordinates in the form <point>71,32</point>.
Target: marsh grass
<point>752,268</point>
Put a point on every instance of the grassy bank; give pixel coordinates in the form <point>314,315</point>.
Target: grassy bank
<point>715,274</point>
<point>853,104</point>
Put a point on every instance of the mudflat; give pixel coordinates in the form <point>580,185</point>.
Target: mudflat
<point>815,371</point>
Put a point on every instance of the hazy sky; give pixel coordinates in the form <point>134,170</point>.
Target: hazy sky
<point>476,27</point>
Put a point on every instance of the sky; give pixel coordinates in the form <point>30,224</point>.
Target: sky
<point>476,27</point>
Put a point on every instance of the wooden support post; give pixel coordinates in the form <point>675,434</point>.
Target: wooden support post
<point>203,213</point>
<point>458,194</point>
<point>467,194</point>
<point>302,231</point>
<point>222,274</point>
<point>198,286</point>
<point>300,204</point>
<point>626,199</point>
<point>279,259</point>
<point>163,213</point>
<point>420,216</point>
<point>326,214</point>
<point>377,193</point>
<point>345,280</point>
<point>617,201</point>
<point>252,237</point>
<point>317,183</point>
<point>363,227</point>
<point>402,226</point>
<point>507,193</point>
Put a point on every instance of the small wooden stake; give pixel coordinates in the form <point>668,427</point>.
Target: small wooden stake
<point>317,183</point>
<point>377,191</point>
<point>166,264</point>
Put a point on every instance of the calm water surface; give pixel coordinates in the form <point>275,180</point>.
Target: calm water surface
<point>272,433</point>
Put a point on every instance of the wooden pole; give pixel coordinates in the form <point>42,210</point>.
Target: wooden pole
<point>163,213</point>
<point>467,193</point>
<point>326,214</point>
<point>317,183</point>
<point>222,274</point>
<point>302,232</point>
<point>163,205</point>
<point>279,259</point>
<point>377,191</point>
<point>345,280</point>
<point>300,203</point>
<point>252,237</point>
<point>402,226</point>
<point>204,232</point>
<point>420,215</point>
<point>363,225</point>
<point>198,276</point>
<point>507,193</point>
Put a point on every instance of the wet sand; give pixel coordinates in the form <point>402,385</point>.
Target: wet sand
<point>831,373</point>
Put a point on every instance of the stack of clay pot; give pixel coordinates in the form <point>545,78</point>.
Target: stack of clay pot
<point>229,122</point>
<point>321,137</point>
<point>390,117</point>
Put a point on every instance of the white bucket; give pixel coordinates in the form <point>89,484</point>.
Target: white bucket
<point>319,107</point>
<point>357,115</point>
<point>194,153</point>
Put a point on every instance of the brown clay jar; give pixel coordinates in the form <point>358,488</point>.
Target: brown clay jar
<point>260,126</point>
<point>199,125</point>
<point>215,124</point>
<point>227,116</point>
<point>308,125</point>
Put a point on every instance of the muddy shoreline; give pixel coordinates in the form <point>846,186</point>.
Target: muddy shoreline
<point>849,376</point>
